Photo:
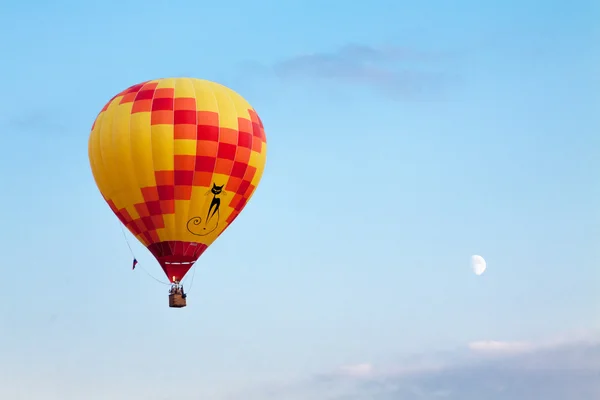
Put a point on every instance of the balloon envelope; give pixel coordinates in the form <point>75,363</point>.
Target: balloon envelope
<point>177,159</point>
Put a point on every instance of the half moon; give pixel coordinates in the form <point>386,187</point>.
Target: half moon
<point>478,264</point>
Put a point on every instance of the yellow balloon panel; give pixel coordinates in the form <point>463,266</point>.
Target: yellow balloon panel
<point>177,160</point>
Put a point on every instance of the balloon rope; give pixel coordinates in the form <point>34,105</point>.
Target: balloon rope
<point>138,264</point>
<point>192,280</point>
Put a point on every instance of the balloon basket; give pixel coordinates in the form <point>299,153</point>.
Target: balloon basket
<point>176,300</point>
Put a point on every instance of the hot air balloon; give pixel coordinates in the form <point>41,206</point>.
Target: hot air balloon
<point>177,160</point>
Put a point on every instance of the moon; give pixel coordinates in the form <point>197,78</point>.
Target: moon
<point>478,264</point>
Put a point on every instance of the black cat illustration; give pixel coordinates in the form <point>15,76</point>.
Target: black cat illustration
<point>215,204</point>
<point>211,221</point>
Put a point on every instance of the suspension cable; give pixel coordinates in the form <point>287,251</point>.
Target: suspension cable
<point>135,258</point>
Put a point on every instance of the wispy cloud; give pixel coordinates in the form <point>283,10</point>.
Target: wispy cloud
<point>555,369</point>
<point>34,121</point>
<point>394,70</point>
<point>498,347</point>
<point>357,370</point>
<point>509,348</point>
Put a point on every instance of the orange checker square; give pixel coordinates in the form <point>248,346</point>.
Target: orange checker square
<point>149,86</point>
<point>183,192</point>
<point>128,98</point>
<point>159,221</point>
<point>184,131</point>
<point>233,184</point>
<point>164,178</point>
<point>244,125</point>
<point>162,117</point>
<point>185,104</point>
<point>257,144</point>
<point>235,199</point>
<point>184,162</point>
<point>164,93</point>
<point>243,155</point>
<point>207,118</point>
<point>141,106</point>
<point>223,166</point>
<point>228,135</point>
<point>142,210</point>
<point>150,193</point>
<point>202,179</point>
<point>167,206</point>
<point>250,172</point>
<point>253,116</point>
<point>206,148</point>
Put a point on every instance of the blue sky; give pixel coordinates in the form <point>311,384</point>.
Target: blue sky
<point>402,139</point>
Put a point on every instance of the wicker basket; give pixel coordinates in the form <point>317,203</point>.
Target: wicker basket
<point>176,300</point>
